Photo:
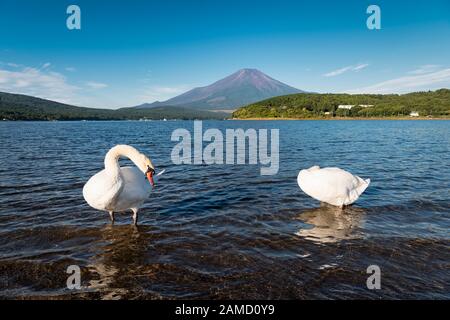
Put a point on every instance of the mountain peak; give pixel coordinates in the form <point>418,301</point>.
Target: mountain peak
<point>248,70</point>
<point>243,87</point>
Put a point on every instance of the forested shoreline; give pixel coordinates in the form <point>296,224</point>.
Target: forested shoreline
<point>315,105</point>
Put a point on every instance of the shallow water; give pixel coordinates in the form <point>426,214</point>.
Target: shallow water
<point>224,231</point>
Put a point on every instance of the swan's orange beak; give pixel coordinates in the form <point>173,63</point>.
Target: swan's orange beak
<point>150,178</point>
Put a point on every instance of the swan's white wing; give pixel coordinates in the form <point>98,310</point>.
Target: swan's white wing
<point>135,191</point>
<point>359,186</point>
<point>101,191</point>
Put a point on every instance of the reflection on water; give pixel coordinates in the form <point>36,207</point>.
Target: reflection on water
<point>103,285</point>
<point>331,224</point>
<point>123,254</point>
<point>223,231</point>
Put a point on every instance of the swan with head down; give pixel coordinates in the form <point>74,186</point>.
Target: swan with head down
<point>118,189</point>
<point>331,185</point>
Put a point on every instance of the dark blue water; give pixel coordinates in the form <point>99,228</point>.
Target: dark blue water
<point>225,231</point>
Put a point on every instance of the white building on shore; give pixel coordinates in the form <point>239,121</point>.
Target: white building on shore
<point>349,106</point>
<point>345,106</point>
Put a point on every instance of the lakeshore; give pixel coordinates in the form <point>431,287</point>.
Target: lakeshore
<point>346,118</point>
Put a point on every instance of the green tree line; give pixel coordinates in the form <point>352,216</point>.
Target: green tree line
<point>312,105</point>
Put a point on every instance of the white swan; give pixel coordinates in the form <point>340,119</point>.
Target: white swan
<point>116,188</point>
<point>331,185</point>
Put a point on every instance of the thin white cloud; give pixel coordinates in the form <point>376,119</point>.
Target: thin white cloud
<point>37,82</point>
<point>360,67</point>
<point>96,85</point>
<point>71,69</point>
<point>46,65</point>
<point>340,71</point>
<point>161,93</point>
<point>409,83</point>
<point>337,72</point>
<point>428,68</point>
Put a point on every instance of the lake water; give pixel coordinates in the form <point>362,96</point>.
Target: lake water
<point>224,231</point>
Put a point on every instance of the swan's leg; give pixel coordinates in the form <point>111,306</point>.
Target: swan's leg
<point>135,215</point>
<point>111,215</point>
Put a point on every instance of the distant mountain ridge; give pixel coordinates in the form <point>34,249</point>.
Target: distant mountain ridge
<point>238,89</point>
<point>23,107</point>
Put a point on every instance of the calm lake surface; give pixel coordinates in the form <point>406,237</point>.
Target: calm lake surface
<point>225,231</point>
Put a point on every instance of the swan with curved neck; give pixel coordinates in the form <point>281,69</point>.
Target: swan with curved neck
<point>117,189</point>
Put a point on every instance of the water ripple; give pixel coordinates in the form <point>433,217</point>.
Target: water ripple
<point>226,231</point>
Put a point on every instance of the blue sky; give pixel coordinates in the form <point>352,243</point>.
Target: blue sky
<point>130,52</point>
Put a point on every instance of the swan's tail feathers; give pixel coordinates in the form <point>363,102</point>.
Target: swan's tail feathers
<point>362,186</point>
<point>356,192</point>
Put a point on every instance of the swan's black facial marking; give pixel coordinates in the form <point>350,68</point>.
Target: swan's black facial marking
<point>149,170</point>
